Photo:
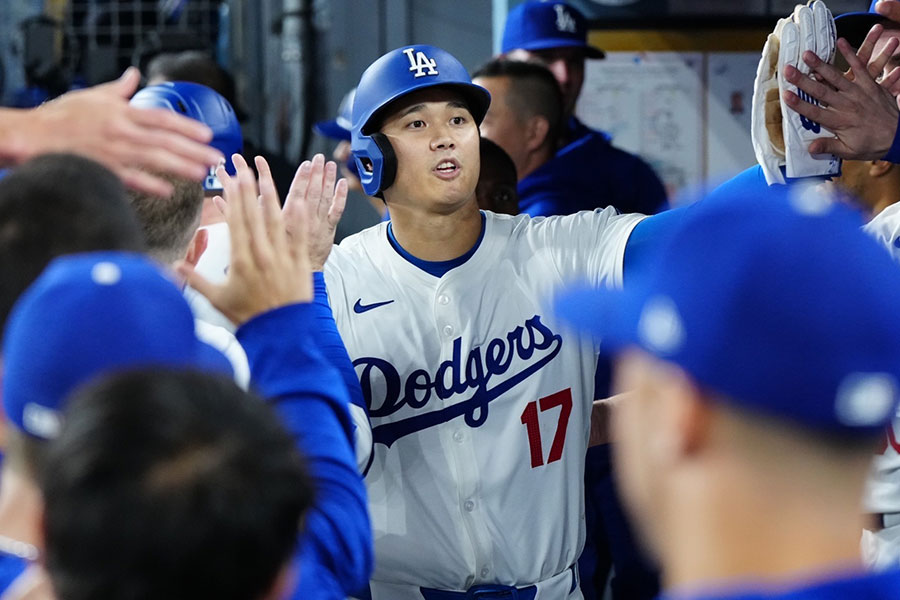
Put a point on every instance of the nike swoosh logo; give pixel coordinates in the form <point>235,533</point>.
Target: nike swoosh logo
<point>359,308</point>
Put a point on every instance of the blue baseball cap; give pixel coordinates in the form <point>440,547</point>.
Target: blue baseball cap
<point>854,26</point>
<point>776,300</point>
<point>339,127</point>
<point>89,314</point>
<point>541,25</point>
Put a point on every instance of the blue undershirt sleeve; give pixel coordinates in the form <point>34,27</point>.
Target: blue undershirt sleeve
<point>648,233</point>
<point>644,238</point>
<point>331,344</point>
<point>290,371</point>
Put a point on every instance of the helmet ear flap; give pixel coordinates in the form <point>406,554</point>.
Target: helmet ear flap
<point>388,165</point>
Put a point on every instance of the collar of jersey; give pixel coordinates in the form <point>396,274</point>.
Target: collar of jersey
<point>437,268</point>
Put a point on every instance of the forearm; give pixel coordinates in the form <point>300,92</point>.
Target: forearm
<point>15,128</point>
<point>311,400</point>
<point>287,368</point>
<point>601,418</point>
<point>330,342</point>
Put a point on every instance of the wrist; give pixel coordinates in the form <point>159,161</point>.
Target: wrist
<point>893,153</point>
<point>14,131</point>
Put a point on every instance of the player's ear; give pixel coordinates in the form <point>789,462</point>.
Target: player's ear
<point>685,413</point>
<point>537,129</point>
<point>197,247</point>
<point>879,168</point>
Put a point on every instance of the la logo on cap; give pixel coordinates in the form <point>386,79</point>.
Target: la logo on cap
<point>564,21</point>
<point>420,63</point>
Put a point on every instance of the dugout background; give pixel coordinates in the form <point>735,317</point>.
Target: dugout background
<point>675,88</point>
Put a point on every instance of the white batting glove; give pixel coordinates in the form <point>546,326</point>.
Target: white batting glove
<point>781,136</point>
<point>811,28</point>
<point>766,120</point>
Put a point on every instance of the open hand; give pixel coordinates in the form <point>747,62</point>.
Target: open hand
<point>319,202</point>
<point>132,142</point>
<point>268,267</point>
<point>860,111</point>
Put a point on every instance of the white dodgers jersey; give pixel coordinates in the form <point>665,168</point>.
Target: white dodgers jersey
<point>883,487</point>
<point>881,549</point>
<point>479,402</point>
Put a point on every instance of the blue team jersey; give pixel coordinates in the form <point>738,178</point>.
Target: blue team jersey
<point>859,586</point>
<point>590,173</point>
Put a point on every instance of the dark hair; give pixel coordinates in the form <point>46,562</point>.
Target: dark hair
<point>169,223</point>
<point>533,91</point>
<point>195,66</point>
<point>496,190</point>
<point>58,204</point>
<point>170,484</point>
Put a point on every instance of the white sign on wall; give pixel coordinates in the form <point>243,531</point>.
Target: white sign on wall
<point>685,113</point>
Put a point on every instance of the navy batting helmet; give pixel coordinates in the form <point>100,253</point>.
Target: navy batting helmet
<point>394,75</point>
<point>205,105</point>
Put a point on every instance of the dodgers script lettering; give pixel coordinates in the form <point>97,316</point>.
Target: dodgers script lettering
<point>527,348</point>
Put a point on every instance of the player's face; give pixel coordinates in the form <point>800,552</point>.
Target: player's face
<point>436,142</point>
<point>501,124</point>
<point>497,195</point>
<point>854,176</point>
<point>566,64</point>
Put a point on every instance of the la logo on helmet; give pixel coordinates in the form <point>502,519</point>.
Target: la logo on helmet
<point>420,63</point>
<point>564,21</point>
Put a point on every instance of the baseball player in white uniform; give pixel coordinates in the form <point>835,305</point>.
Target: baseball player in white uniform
<point>881,544</point>
<point>478,401</point>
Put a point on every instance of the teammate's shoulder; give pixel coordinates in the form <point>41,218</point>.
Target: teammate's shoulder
<point>362,243</point>
<point>584,221</point>
<point>504,225</point>
<point>889,217</point>
<point>365,236</point>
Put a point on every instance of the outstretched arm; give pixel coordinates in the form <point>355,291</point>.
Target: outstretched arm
<point>268,293</point>
<point>99,123</point>
<point>316,201</point>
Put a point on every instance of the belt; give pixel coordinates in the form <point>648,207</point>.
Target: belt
<point>884,520</point>
<point>483,592</point>
<point>492,591</point>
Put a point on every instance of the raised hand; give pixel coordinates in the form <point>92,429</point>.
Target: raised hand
<point>859,110</point>
<point>889,9</point>
<point>317,202</point>
<point>99,123</point>
<point>269,268</point>
<point>875,65</point>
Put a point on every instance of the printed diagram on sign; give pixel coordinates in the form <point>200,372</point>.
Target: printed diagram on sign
<point>663,129</point>
<point>651,104</point>
<point>681,111</point>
